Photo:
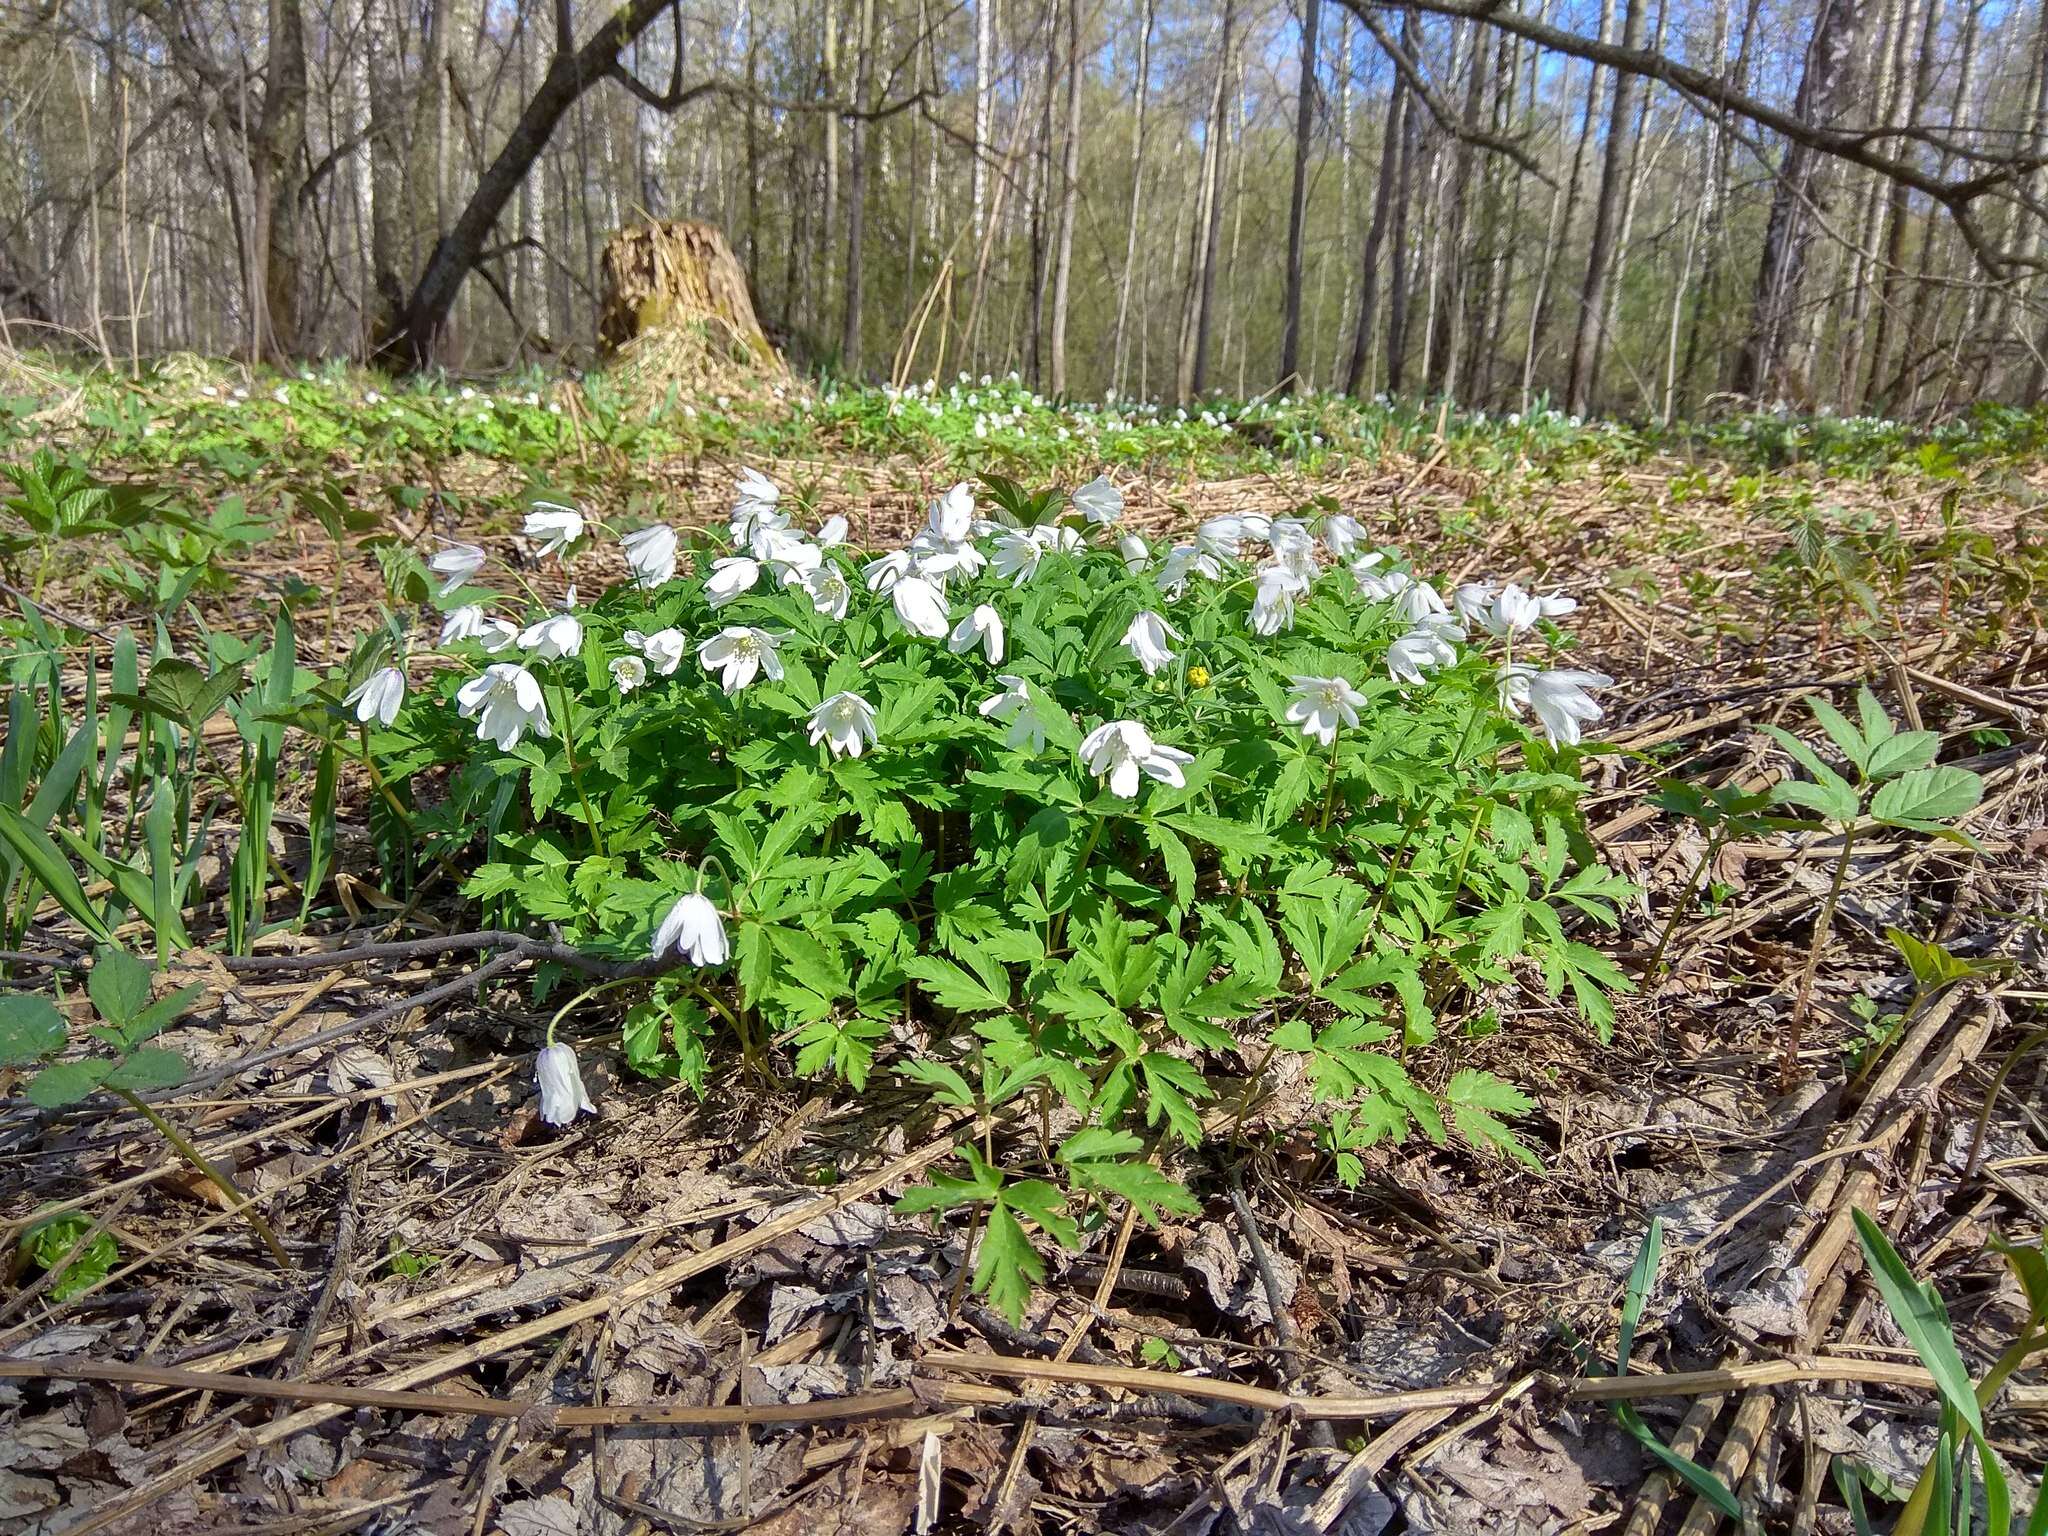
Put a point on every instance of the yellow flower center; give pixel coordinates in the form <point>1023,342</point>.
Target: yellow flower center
<point>1198,677</point>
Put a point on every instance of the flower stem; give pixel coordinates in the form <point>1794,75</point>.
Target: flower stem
<point>1059,919</point>
<point>1788,1065</point>
<point>199,1160</point>
<point>576,771</point>
<point>1684,904</point>
<point>1330,786</point>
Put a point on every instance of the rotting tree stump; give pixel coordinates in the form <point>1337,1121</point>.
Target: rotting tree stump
<point>680,278</point>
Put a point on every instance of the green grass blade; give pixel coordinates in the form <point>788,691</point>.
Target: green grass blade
<point>42,859</point>
<point>1641,1277</point>
<point>1922,1318</point>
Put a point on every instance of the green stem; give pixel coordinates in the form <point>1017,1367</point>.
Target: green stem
<point>584,996</point>
<point>1788,1065</point>
<point>576,772</point>
<point>1330,787</point>
<point>2027,1043</point>
<point>1683,905</point>
<point>219,1180</point>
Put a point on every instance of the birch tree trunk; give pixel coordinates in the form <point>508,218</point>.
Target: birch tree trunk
<point>1297,201</point>
<point>1588,339</point>
<point>1123,294</point>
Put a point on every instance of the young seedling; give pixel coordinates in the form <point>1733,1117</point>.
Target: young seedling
<point>32,1031</point>
<point>1896,785</point>
<point>1723,812</point>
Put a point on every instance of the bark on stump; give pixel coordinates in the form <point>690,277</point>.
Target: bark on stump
<point>679,280</point>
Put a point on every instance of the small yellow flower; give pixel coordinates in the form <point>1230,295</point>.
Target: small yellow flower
<point>1198,677</point>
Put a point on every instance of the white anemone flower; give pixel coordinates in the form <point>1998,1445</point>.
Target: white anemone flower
<point>951,518</point>
<point>455,565</point>
<point>1019,708</point>
<point>729,578</point>
<point>882,573</point>
<point>831,532</point>
<point>1118,751</point>
<point>738,653</point>
<point>756,502</point>
<point>1342,534</point>
<point>651,555</point>
<point>1058,538</point>
<point>553,526</point>
<point>1473,601</point>
<point>1017,556</point>
<point>983,627</point>
<point>506,702</point>
<point>551,638</point>
<point>1273,600</point>
<point>1320,705</point>
<point>664,649</point>
<point>1291,539</point>
<point>1182,562</point>
<point>1511,611</point>
<point>465,623</point>
<point>1146,641</point>
<point>845,723</point>
<point>1136,553</point>
<point>1562,699</point>
<point>629,672</point>
<point>378,696</point>
<point>1556,605</point>
<point>694,930</point>
<point>921,606</point>
<point>830,592</point>
<point>562,1094</point>
<point>1221,537</point>
<point>783,547</point>
<point>1419,652</point>
<point>1099,501</point>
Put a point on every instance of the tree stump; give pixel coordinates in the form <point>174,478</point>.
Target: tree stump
<point>680,279</point>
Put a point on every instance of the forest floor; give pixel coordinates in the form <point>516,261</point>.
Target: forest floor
<point>647,1321</point>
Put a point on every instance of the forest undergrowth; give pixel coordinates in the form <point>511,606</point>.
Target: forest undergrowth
<point>577,959</point>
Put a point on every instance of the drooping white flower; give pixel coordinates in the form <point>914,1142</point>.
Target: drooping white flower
<point>1511,611</point>
<point>756,502</point>
<point>553,526</point>
<point>1019,707</point>
<point>455,565</point>
<point>1419,652</point>
<point>845,722</point>
<point>1291,539</point>
<point>651,555</point>
<point>738,653</point>
<point>1273,600</point>
<point>465,623</point>
<point>1017,556</point>
<point>551,638</point>
<point>1342,534</point>
<point>1413,599</point>
<point>664,649</point>
<point>628,672</point>
<point>1118,751</point>
<point>950,519</point>
<point>983,627</point>
<point>831,532</point>
<point>1182,562</point>
<point>1137,554</point>
<point>1221,537</point>
<point>1257,526</point>
<point>1556,605</point>
<point>1320,705</point>
<point>694,930</point>
<point>921,607</point>
<point>1057,538</point>
<point>378,696</point>
<point>1146,641</point>
<point>938,559</point>
<point>830,592</point>
<point>562,1094</point>
<point>1473,601</point>
<point>883,572</point>
<point>1562,699</point>
<point>783,547</point>
<point>507,703</point>
<point>1099,501</point>
<point>729,578</point>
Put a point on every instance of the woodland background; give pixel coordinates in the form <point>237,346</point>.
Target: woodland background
<point>1619,206</point>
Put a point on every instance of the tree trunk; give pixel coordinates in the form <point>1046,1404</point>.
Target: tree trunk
<point>1198,372</point>
<point>1070,200</point>
<point>1123,295</point>
<point>1801,198</point>
<point>1587,339</point>
<point>277,172</point>
<point>1404,183</point>
<point>1297,202</point>
<point>856,196</point>
<point>1375,238</point>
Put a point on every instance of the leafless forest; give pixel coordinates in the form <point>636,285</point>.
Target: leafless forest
<point>1625,206</point>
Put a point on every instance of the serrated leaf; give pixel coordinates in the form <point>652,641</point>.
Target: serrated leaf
<point>68,1082</point>
<point>151,1067</point>
<point>30,1029</point>
<point>119,985</point>
<point>1927,795</point>
<point>1008,1266</point>
<point>952,987</point>
<point>946,1083</point>
<point>1148,1190</point>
